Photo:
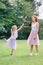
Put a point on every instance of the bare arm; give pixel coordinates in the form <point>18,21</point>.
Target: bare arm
<point>37,30</point>
<point>37,27</point>
<point>21,27</point>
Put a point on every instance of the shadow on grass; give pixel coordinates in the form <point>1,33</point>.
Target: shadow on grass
<point>19,56</point>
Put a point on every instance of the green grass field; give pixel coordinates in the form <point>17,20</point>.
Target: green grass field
<point>21,55</point>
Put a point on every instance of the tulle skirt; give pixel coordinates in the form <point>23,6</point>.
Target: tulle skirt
<point>11,43</point>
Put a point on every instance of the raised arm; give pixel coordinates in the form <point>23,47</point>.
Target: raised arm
<point>21,27</point>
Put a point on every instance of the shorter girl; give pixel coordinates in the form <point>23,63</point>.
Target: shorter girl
<point>33,39</point>
<point>11,42</point>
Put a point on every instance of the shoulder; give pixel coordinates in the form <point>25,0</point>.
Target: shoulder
<point>37,24</point>
<point>16,31</point>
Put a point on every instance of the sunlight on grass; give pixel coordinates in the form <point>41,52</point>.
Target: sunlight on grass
<point>21,55</point>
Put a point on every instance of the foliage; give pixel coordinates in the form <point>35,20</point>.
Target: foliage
<point>41,29</point>
<point>11,15</point>
<point>29,0</point>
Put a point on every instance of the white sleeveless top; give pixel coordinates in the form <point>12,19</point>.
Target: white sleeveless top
<point>15,34</point>
<point>34,26</point>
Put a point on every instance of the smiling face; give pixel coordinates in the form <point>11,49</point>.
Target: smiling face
<point>33,19</point>
<point>14,28</point>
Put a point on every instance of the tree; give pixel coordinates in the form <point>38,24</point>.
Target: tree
<point>41,29</point>
<point>13,15</point>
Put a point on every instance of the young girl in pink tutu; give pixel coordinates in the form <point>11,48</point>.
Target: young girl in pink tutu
<point>33,38</point>
<point>11,42</point>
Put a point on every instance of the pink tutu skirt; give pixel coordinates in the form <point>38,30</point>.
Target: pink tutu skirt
<point>11,43</point>
<point>32,40</point>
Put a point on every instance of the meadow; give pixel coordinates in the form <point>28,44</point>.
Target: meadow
<point>21,55</point>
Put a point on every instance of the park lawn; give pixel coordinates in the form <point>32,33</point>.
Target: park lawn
<point>21,55</point>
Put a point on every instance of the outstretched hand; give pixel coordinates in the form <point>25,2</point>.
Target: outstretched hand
<point>21,27</point>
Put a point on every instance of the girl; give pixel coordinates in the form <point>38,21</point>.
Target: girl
<point>11,42</point>
<point>33,39</point>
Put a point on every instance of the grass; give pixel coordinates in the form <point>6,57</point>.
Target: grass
<point>21,55</point>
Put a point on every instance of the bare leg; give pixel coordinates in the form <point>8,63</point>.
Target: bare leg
<point>31,49</point>
<point>36,46</point>
<point>12,51</point>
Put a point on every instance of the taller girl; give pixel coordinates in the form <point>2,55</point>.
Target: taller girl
<point>33,39</point>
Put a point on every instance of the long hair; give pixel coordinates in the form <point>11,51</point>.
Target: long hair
<point>36,18</point>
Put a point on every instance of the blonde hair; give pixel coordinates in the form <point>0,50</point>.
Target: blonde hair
<point>14,27</point>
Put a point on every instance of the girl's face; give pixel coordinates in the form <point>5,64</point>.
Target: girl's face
<point>14,28</point>
<point>33,19</point>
